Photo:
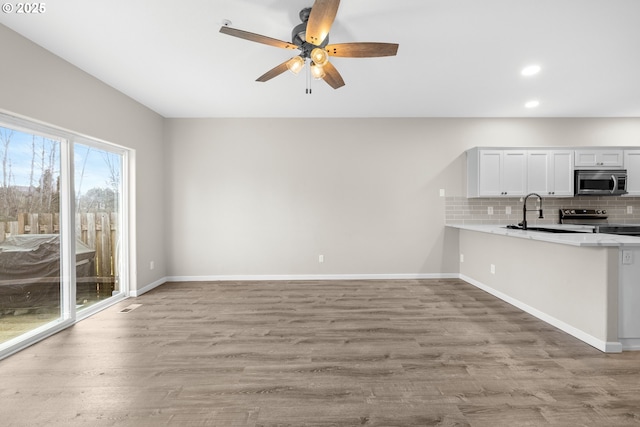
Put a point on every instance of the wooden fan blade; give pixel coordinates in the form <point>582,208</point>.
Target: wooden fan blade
<point>257,38</point>
<point>362,50</point>
<point>332,76</point>
<point>274,72</point>
<point>323,12</point>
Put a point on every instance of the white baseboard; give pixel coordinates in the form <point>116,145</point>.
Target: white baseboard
<point>138,292</point>
<point>298,277</point>
<point>632,344</point>
<point>607,347</point>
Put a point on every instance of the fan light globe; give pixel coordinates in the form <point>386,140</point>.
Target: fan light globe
<point>295,64</point>
<point>319,56</point>
<point>317,72</point>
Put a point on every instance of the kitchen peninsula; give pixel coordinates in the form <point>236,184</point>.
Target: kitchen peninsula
<point>578,282</point>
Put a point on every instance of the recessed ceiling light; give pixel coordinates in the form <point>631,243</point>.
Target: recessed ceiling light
<point>532,104</point>
<point>530,70</point>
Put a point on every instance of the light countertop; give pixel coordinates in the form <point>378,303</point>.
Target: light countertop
<point>572,239</point>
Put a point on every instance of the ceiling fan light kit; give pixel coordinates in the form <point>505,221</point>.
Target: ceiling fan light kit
<point>317,71</point>
<point>319,56</point>
<point>295,64</point>
<point>311,37</point>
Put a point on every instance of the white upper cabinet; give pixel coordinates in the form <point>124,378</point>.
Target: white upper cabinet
<point>490,173</point>
<point>632,165</point>
<point>495,173</point>
<point>539,172</point>
<point>599,159</point>
<point>562,170</point>
<point>550,172</point>
<point>514,172</point>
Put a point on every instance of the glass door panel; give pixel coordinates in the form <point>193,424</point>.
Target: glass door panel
<point>98,192</point>
<point>30,248</point>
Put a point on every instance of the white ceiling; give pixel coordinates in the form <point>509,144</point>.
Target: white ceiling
<point>457,58</point>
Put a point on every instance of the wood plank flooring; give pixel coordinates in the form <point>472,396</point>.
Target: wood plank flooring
<point>338,353</point>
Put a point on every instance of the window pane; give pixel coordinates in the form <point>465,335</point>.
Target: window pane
<point>98,190</point>
<point>30,285</point>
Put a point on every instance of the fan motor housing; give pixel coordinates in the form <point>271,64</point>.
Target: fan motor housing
<point>299,34</point>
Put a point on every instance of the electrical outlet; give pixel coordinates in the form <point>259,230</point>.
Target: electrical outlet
<point>507,210</point>
<point>493,269</point>
<point>442,192</point>
<point>152,265</point>
<point>461,257</point>
<point>629,210</point>
<point>490,210</point>
<point>627,257</point>
<point>320,259</point>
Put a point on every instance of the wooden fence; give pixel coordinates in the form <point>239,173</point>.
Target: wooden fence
<point>96,230</point>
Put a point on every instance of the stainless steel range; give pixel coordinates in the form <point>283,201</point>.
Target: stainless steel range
<point>597,220</point>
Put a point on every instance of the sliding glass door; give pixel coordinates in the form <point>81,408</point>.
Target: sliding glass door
<point>62,229</point>
<point>98,192</point>
<point>30,247</point>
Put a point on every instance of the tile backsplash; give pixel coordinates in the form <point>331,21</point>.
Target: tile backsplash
<point>461,210</point>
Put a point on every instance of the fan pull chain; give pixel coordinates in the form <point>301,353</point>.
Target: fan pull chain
<point>308,78</point>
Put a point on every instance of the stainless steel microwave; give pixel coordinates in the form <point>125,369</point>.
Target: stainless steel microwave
<point>600,182</point>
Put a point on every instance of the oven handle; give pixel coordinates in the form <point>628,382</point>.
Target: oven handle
<point>615,183</point>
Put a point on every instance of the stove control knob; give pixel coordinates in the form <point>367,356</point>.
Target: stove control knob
<point>604,211</point>
<point>573,211</point>
<point>598,211</point>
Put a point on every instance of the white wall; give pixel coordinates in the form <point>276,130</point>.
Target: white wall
<point>267,196</point>
<point>36,84</point>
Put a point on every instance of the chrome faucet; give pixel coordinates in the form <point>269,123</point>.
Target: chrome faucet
<point>523,224</point>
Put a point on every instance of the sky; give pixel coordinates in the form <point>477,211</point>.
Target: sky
<point>91,164</point>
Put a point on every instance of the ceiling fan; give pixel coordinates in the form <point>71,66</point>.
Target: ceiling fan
<point>311,38</point>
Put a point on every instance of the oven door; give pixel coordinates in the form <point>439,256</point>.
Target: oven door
<point>600,183</point>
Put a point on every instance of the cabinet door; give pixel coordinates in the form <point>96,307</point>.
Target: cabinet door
<point>561,173</point>
<point>539,172</point>
<point>599,159</point>
<point>632,164</point>
<point>489,176</point>
<point>514,173</point>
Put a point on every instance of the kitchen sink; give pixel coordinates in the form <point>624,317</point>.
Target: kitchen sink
<point>544,229</point>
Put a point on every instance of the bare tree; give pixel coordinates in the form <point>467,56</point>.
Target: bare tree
<point>113,164</point>
<point>79,182</point>
<point>5,140</point>
<point>51,187</point>
<point>32,171</point>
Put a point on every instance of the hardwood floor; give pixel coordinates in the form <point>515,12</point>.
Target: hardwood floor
<point>339,353</point>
